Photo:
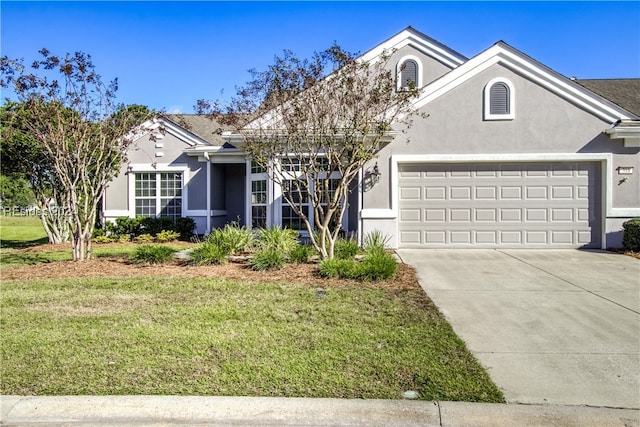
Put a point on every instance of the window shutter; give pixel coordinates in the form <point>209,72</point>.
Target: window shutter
<point>409,73</point>
<point>499,99</point>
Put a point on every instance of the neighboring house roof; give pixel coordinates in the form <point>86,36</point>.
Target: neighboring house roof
<point>622,92</point>
<point>199,125</point>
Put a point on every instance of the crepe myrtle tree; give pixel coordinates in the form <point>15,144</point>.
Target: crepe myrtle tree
<point>24,157</point>
<point>80,129</point>
<point>313,125</point>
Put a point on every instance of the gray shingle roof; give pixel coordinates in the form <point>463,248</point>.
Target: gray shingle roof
<point>199,125</point>
<point>622,92</point>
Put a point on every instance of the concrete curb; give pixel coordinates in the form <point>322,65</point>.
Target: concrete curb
<point>261,411</point>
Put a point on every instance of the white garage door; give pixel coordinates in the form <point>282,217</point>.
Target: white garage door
<point>500,205</point>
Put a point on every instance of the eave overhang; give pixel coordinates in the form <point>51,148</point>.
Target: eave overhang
<point>239,141</point>
<point>628,131</point>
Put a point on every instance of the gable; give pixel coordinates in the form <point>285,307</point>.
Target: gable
<point>511,58</point>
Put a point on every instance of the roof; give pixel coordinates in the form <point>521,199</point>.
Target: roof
<point>622,92</point>
<point>201,126</point>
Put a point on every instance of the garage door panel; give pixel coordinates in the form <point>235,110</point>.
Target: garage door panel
<point>500,205</point>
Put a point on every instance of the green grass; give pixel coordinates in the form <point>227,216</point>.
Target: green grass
<point>21,231</point>
<point>218,337</point>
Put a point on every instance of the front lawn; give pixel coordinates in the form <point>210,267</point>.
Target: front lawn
<point>210,336</point>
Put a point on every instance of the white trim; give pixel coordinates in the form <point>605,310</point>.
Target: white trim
<point>503,54</point>
<point>418,71</point>
<point>419,41</point>
<point>218,212</point>
<point>195,212</point>
<point>114,213</point>
<point>604,158</point>
<point>378,214</point>
<point>487,100</point>
<point>159,168</point>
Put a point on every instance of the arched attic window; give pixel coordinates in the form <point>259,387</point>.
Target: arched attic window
<point>499,100</point>
<point>408,73</point>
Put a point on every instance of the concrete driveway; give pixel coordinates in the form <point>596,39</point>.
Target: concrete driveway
<point>551,326</point>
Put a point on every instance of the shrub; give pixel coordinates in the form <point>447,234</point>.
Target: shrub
<point>124,238</point>
<point>332,268</point>
<point>237,239</point>
<point>631,235</point>
<point>153,226</point>
<point>345,249</point>
<point>209,253</point>
<point>166,236</point>
<point>267,259</point>
<point>143,238</point>
<point>375,239</point>
<point>184,227</point>
<point>281,240</point>
<point>300,254</point>
<point>102,239</point>
<point>129,226</point>
<point>152,254</point>
<point>377,264</point>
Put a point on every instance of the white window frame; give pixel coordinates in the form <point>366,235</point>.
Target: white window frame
<point>487,100</point>
<point>399,71</point>
<point>160,168</point>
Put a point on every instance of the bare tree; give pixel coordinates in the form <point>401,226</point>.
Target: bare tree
<point>80,128</point>
<point>313,125</point>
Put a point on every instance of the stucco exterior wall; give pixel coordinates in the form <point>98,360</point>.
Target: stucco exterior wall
<point>431,68</point>
<point>544,123</point>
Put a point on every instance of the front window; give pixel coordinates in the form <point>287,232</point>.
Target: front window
<point>259,203</point>
<point>158,194</point>
<point>298,196</point>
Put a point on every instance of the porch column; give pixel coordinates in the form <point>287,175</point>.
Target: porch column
<point>247,199</point>
<point>206,156</point>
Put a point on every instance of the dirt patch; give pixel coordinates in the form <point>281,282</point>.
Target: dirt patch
<point>306,274</point>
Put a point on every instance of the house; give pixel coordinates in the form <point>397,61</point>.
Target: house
<point>511,155</point>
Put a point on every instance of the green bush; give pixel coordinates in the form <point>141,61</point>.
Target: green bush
<point>346,249</point>
<point>281,240</point>
<point>631,235</point>
<point>237,239</point>
<point>102,239</point>
<point>184,227</point>
<point>143,238</point>
<point>153,226</point>
<point>377,264</point>
<point>152,254</point>
<point>267,259</point>
<point>167,236</point>
<point>300,254</point>
<point>123,238</point>
<point>333,268</point>
<point>209,253</point>
<point>375,239</point>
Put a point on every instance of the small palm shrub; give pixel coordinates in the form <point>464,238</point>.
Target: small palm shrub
<point>267,259</point>
<point>377,264</point>
<point>334,268</point>
<point>281,240</point>
<point>209,253</point>
<point>167,236</point>
<point>152,254</point>
<point>300,254</point>
<point>345,249</point>
<point>237,239</point>
<point>375,239</point>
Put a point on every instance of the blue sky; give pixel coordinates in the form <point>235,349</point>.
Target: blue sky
<point>169,54</point>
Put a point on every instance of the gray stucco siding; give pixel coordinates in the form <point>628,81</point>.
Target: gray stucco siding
<point>431,68</point>
<point>543,123</point>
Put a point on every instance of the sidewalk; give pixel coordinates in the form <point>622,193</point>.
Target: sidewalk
<point>259,411</point>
